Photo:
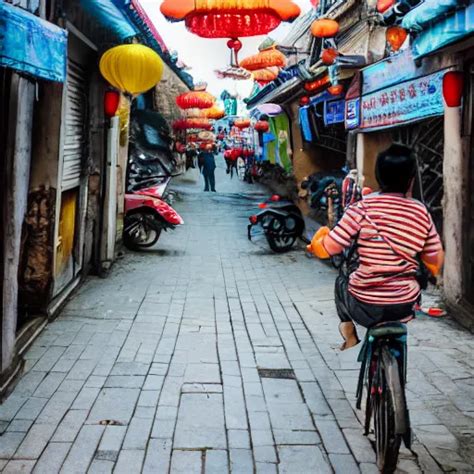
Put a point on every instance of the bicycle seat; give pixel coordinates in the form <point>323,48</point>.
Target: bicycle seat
<point>388,329</point>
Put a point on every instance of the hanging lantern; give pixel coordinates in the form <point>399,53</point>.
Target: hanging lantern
<point>337,89</point>
<point>111,103</point>
<point>316,85</point>
<point>329,56</point>
<point>242,123</point>
<point>304,100</point>
<point>187,123</point>
<point>264,59</point>
<point>131,68</point>
<point>262,126</point>
<point>324,28</point>
<point>453,88</point>
<point>396,36</point>
<point>265,75</point>
<point>230,18</point>
<point>195,100</point>
<point>214,113</point>
<point>384,5</point>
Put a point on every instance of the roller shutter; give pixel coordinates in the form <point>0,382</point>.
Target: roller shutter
<point>75,126</point>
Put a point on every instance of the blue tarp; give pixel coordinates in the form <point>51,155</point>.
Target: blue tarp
<point>430,10</point>
<point>31,45</point>
<point>110,17</point>
<point>453,28</point>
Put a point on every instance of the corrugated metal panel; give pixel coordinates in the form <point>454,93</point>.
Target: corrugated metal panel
<point>75,126</point>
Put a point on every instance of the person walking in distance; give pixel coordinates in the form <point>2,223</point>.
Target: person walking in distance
<point>208,161</point>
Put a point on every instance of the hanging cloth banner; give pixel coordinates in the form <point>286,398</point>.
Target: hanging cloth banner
<point>454,28</point>
<point>305,125</point>
<point>32,45</point>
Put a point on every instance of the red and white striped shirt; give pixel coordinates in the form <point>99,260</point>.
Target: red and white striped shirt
<point>379,222</point>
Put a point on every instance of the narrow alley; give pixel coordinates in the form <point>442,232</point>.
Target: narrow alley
<point>209,354</point>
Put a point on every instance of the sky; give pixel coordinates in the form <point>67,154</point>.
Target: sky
<point>202,55</point>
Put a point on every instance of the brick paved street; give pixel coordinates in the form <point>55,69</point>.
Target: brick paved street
<point>155,368</point>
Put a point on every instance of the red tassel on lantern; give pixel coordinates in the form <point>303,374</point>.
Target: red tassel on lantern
<point>453,88</point>
<point>111,103</point>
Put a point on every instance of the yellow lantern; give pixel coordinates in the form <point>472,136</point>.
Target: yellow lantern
<point>132,68</point>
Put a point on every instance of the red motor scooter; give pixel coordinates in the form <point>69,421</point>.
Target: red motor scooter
<point>147,213</point>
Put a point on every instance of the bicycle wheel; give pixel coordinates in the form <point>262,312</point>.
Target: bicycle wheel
<point>387,440</point>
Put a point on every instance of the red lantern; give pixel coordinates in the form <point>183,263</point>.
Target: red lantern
<point>242,123</point>
<point>262,126</point>
<point>396,36</point>
<point>230,18</point>
<point>304,100</point>
<point>453,88</point>
<point>324,28</point>
<point>338,89</point>
<point>384,5</point>
<point>111,103</point>
<point>264,59</point>
<point>198,123</point>
<point>195,100</point>
<point>328,56</point>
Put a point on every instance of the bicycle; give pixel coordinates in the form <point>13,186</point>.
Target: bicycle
<point>383,358</point>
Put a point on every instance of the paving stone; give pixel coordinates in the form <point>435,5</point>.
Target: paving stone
<point>343,464</point>
<point>265,454</point>
<point>189,462</point>
<point>239,439</point>
<point>9,443</point>
<point>333,441</point>
<point>70,426</point>
<point>31,409</point>
<point>52,458</point>
<point>101,467</point>
<point>302,459</point>
<point>130,460</point>
<point>138,433</point>
<point>82,451</point>
<point>359,445</point>
<point>158,456</point>
<point>21,426</point>
<point>10,407</point>
<point>21,466</point>
<point>200,422</point>
<point>241,461</point>
<point>216,462</point>
<point>114,404</point>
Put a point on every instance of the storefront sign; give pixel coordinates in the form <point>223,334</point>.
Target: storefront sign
<point>352,118</point>
<point>31,45</point>
<point>334,112</point>
<point>402,103</point>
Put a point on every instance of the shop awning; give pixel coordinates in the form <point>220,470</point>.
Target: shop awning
<point>110,17</point>
<point>31,45</point>
<point>428,12</point>
<point>453,28</point>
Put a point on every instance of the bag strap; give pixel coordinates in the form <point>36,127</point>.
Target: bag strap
<point>397,252</point>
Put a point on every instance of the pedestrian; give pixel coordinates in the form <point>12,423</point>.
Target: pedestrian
<point>208,161</point>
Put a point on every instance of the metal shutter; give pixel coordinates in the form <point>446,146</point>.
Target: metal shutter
<point>75,126</point>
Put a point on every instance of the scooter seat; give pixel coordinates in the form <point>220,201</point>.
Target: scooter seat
<point>388,329</point>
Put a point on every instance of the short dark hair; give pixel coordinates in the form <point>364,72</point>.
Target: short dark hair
<point>395,169</point>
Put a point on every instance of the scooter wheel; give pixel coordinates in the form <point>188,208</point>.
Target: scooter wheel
<point>141,231</point>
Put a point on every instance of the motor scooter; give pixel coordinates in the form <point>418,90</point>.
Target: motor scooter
<point>282,223</point>
<point>147,213</point>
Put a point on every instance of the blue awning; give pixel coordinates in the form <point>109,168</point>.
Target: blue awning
<point>430,10</point>
<point>452,29</point>
<point>110,17</point>
<point>31,45</point>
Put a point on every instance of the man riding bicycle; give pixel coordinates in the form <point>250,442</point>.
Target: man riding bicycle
<point>391,231</point>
